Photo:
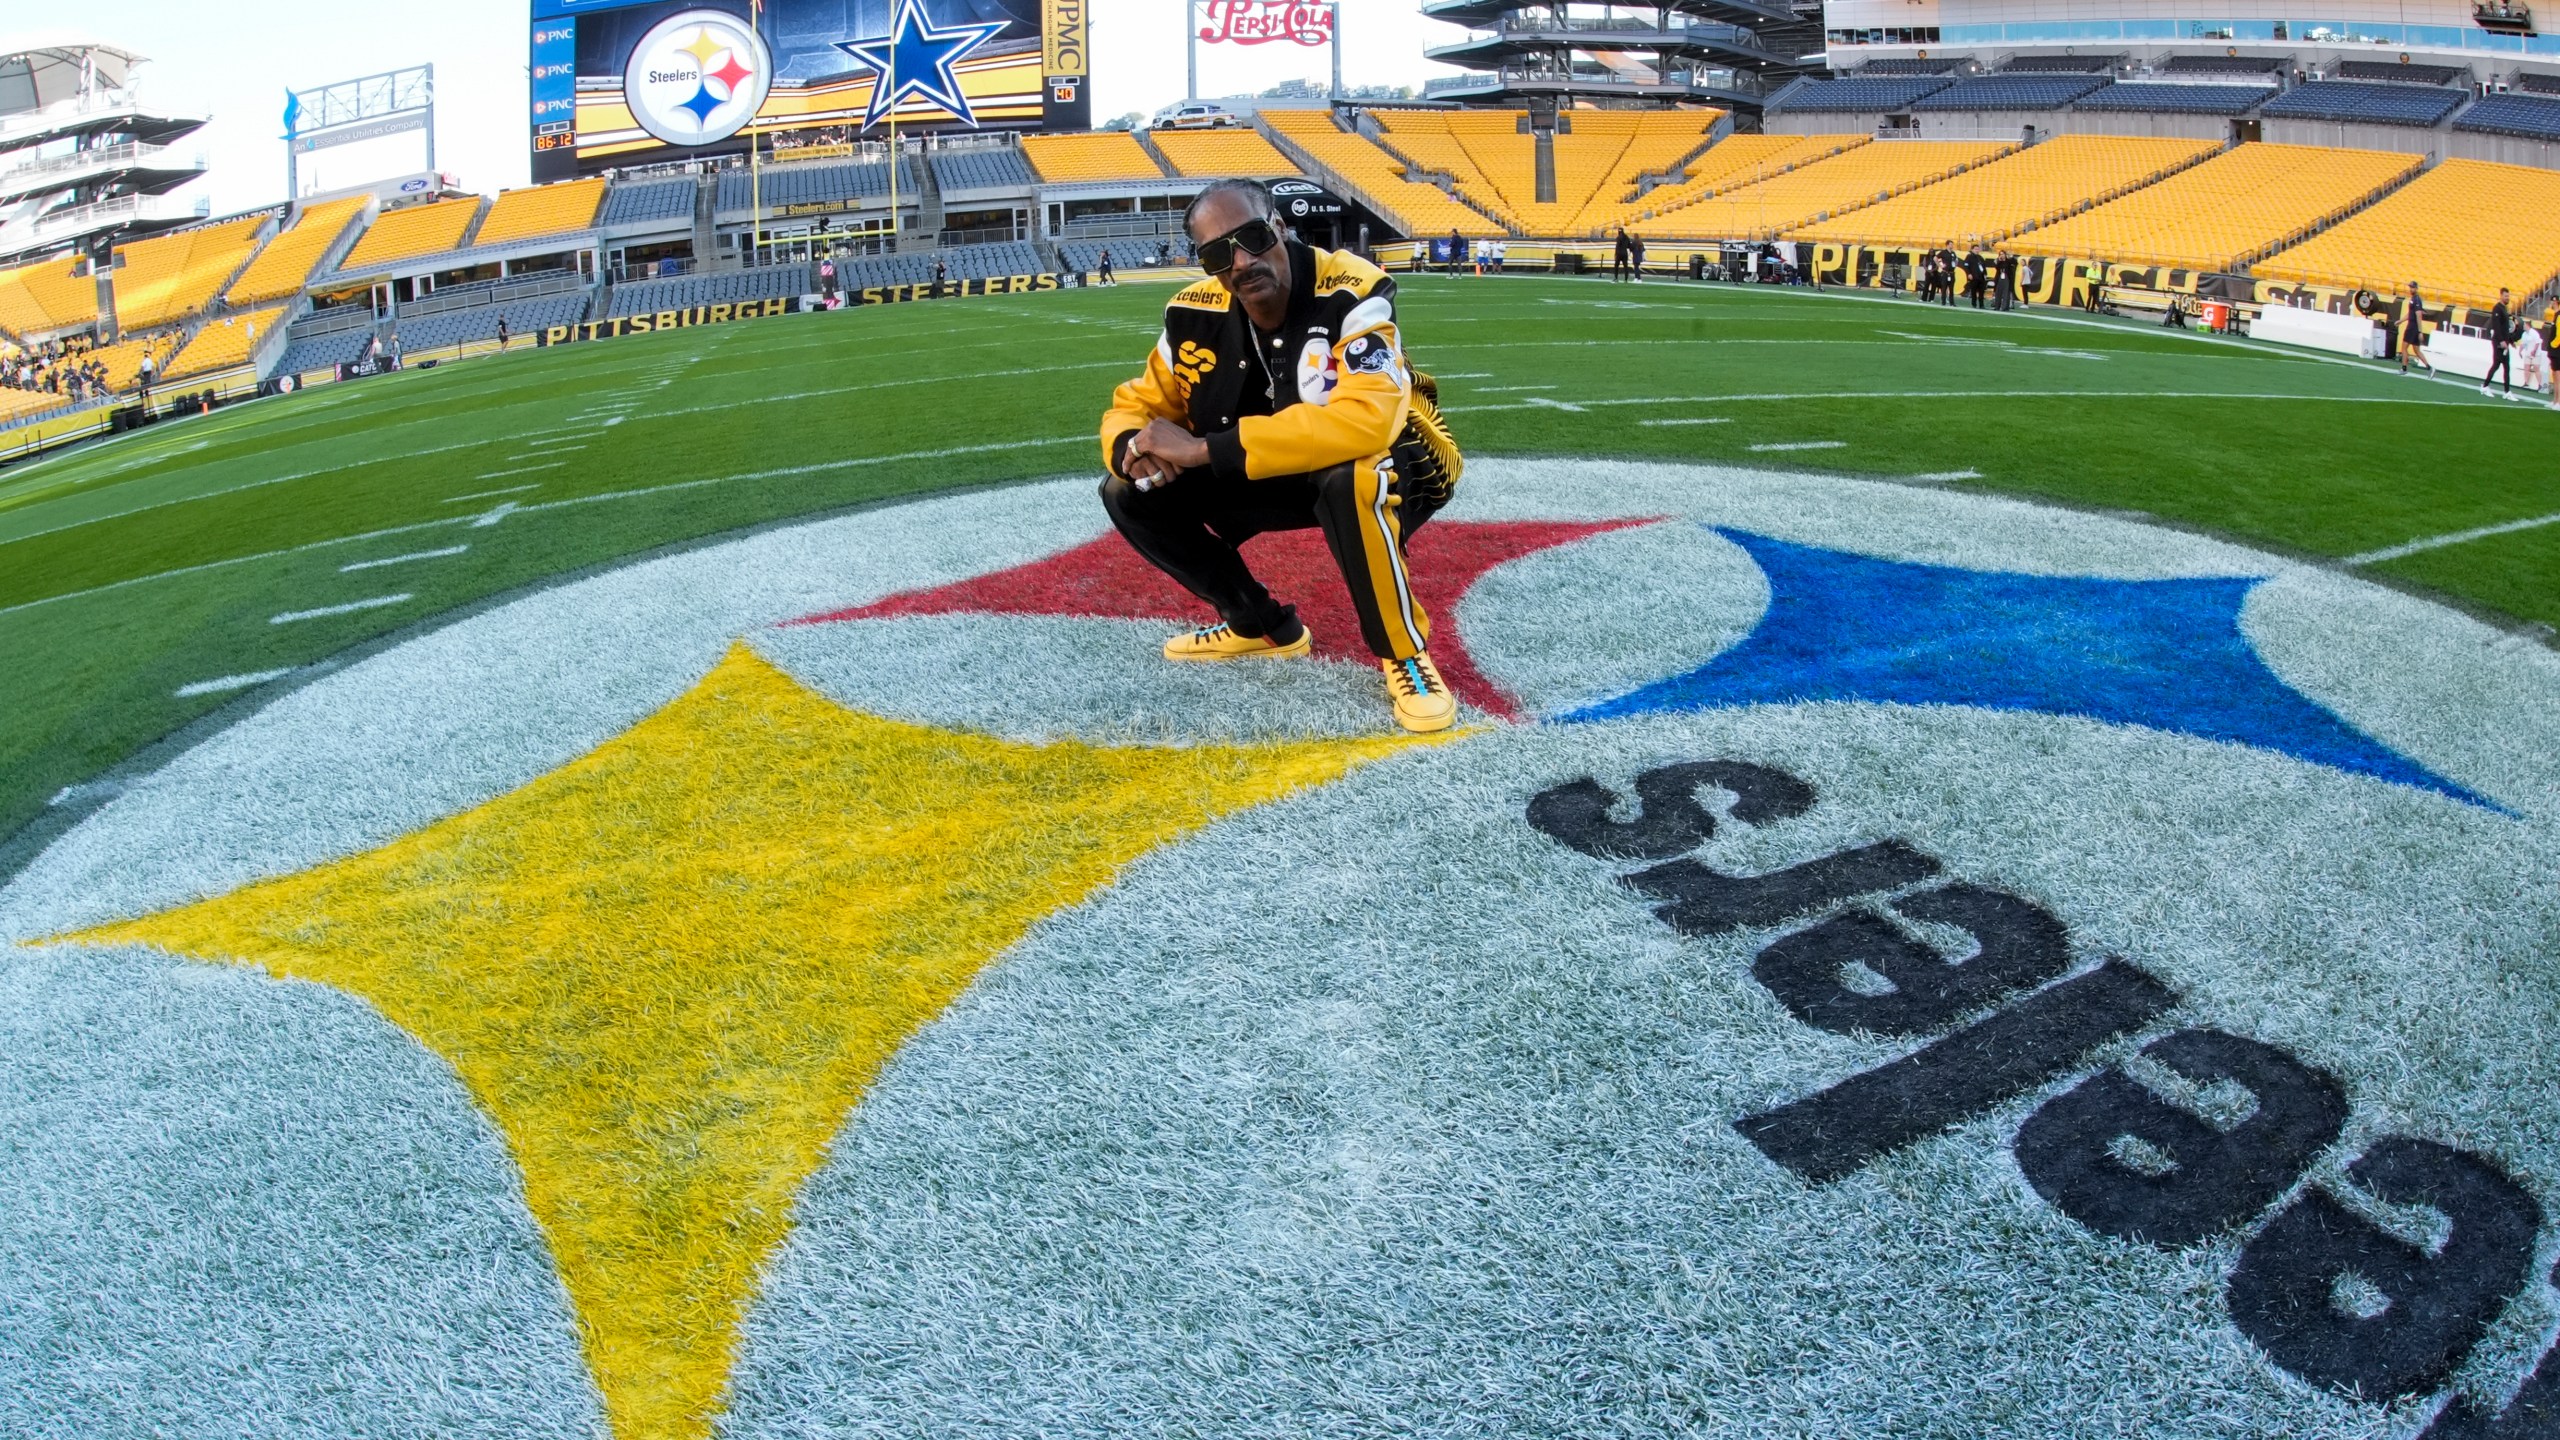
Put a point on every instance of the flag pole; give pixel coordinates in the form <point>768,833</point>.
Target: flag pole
<point>897,228</point>
<point>755,160</point>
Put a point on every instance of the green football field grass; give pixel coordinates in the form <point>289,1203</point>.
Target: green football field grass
<point>136,569</point>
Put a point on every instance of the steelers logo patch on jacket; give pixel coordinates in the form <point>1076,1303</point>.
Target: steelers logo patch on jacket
<point>1371,353</point>
<point>1318,371</point>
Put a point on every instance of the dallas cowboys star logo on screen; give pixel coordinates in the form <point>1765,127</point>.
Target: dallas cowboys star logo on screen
<point>916,58</point>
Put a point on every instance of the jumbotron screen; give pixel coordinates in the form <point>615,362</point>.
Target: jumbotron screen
<point>625,82</point>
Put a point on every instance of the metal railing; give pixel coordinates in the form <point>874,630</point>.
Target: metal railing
<point>495,292</point>
<point>80,219</point>
<point>1143,227</point>
<point>129,153</point>
<point>337,320</point>
<point>1723,81</point>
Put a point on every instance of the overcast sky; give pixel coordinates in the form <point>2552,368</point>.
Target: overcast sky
<point>234,59</point>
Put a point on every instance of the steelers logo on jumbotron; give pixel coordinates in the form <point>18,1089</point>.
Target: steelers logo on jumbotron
<point>1869,961</point>
<point>697,77</point>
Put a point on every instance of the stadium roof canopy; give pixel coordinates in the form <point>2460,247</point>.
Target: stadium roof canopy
<point>40,70</point>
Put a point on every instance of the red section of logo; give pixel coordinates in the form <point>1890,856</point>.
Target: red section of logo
<point>1105,579</point>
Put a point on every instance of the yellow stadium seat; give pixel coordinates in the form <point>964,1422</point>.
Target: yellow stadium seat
<point>1493,161</point>
<point>1990,203</point>
<point>285,264</point>
<point>226,342</point>
<point>1854,178</point>
<point>1101,155</point>
<point>1598,182</point>
<point>1730,162</point>
<point>2461,231</point>
<point>408,233</point>
<point>1378,177</point>
<point>1222,152</point>
<point>17,405</point>
<point>170,277</point>
<point>47,298</point>
<point>123,360</point>
<point>2226,212</point>
<point>542,210</point>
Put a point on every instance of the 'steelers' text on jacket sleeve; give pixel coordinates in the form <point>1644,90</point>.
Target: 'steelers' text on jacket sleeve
<point>1372,388</point>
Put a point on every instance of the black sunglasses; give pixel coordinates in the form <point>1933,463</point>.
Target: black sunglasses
<point>1256,236</point>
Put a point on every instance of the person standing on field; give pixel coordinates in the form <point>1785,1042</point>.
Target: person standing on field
<point>2501,338</point>
<point>2413,333</point>
<point>1618,265</point>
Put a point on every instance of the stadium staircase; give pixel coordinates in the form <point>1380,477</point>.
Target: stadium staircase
<point>1332,179</point>
<point>1544,149</point>
<point>928,211</point>
<point>1147,141</point>
<point>1441,180</point>
<point>706,201</point>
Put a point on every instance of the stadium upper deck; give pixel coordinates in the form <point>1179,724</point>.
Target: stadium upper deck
<point>84,162</point>
<point>323,283</point>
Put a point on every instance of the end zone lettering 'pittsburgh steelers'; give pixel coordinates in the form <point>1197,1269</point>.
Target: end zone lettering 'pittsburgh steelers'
<point>1840,977</point>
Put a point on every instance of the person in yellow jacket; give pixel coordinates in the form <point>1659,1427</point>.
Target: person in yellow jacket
<point>1279,398</point>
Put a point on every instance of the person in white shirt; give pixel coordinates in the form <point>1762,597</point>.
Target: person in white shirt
<point>2533,357</point>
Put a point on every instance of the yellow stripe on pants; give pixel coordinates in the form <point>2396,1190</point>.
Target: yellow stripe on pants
<point>1407,628</point>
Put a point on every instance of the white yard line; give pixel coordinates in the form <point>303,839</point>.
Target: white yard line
<point>519,470</point>
<point>497,512</point>
<point>554,450</point>
<point>1502,389</point>
<point>1530,401</point>
<point>1538,400</point>
<point>402,559</point>
<point>351,607</point>
<point>511,507</point>
<point>564,438</point>
<point>1690,420</point>
<point>1132,366</point>
<point>2458,537</point>
<point>1802,445</point>
<point>491,494</point>
<point>1935,477</point>
<point>230,682</point>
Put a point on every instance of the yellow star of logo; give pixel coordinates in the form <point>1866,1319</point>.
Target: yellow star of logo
<point>703,47</point>
<point>669,970</point>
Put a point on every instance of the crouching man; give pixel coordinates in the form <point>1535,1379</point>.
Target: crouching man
<point>1278,398</point>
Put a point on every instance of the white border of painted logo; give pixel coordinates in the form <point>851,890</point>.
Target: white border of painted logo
<point>1546,1080</point>
<point>662,75</point>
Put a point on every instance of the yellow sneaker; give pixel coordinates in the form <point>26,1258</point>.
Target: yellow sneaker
<point>1422,699</point>
<point>1217,642</point>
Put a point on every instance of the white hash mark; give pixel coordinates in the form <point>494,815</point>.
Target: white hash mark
<point>352,606</point>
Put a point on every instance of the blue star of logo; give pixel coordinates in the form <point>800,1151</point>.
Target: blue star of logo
<point>2166,654</point>
<point>702,104</point>
<point>915,58</point>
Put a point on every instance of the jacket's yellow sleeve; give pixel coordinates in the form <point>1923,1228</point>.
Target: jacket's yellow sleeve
<point>1157,393</point>
<point>1361,418</point>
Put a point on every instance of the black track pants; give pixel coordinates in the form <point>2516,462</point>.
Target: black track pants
<point>1190,529</point>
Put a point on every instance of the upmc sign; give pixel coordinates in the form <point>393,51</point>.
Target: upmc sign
<point>1258,22</point>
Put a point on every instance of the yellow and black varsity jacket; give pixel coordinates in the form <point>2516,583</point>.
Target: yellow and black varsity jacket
<point>1340,389</point>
